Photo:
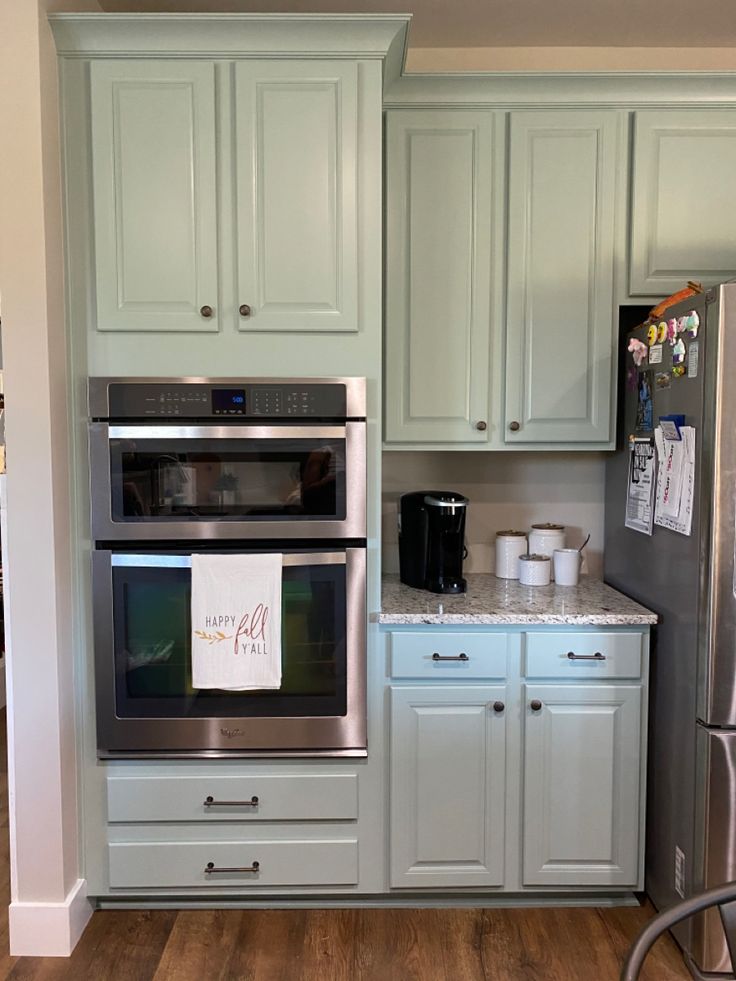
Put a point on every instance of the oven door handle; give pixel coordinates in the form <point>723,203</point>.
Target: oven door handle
<point>227,432</point>
<point>148,561</point>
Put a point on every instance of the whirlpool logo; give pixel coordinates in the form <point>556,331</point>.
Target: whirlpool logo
<point>231,733</point>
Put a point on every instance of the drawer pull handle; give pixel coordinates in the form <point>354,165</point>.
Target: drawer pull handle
<point>572,656</point>
<point>211,802</point>
<point>211,868</point>
<point>450,657</point>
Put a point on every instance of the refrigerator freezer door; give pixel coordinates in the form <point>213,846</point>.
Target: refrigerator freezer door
<point>716,835</point>
<point>717,701</point>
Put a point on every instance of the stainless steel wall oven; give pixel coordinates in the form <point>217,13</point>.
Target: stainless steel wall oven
<point>281,468</point>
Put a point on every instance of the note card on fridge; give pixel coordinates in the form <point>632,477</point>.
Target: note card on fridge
<point>673,506</point>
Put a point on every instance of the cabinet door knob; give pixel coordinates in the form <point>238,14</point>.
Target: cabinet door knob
<point>535,705</point>
<point>498,706</point>
<point>481,426</point>
<point>244,310</point>
<point>206,311</point>
<point>514,426</point>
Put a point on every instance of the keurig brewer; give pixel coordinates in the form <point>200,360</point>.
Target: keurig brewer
<point>432,540</point>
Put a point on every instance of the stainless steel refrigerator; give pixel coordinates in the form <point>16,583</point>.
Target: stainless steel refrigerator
<point>689,580</point>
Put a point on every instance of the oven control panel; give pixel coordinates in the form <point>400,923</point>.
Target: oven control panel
<point>232,401</point>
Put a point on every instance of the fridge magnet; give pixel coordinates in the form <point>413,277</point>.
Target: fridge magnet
<point>671,426</point>
<point>678,351</point>
<point>693,323</point>
<point>655,354</point>
<point>632,377</point>
<point>682,324</point>
<point>692,359</point>
<point>639,350</point>
<point>662,380</point>
<point>652,334</point>
<point>644,408</point>
<point>672,330</point>
<point>662,332</point>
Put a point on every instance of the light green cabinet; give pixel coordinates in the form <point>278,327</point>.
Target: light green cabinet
<point>291,149</point>
<point>439,196</point>
<point>581,812</point>
<point>155,199</point>
<point>684,188</point>
<point>296,135</point>
<point>448,747</point>
<point>560,275</point>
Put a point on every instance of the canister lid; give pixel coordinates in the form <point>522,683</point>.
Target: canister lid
<point>534,558</point>
<point>510,534</point>
<point>548,527</point>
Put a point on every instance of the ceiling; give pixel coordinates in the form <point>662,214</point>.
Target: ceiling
<point>510,23</point>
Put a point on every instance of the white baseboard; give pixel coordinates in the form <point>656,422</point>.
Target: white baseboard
<point>49,929</point>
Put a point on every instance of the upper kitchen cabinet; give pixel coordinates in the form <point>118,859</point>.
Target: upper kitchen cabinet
<point>155,195</point>
<point>563,169</point>
<point>684,188</point>
<point>296,173</point>
<point>439,217</point>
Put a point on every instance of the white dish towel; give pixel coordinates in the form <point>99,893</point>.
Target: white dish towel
<point>236,621</point>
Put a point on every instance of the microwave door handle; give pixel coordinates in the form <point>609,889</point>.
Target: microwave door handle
<point>227,432</point>
<point>148,561</point>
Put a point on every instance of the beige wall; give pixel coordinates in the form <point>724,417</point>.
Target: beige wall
<point>506,490</point>
<point>572,59</point>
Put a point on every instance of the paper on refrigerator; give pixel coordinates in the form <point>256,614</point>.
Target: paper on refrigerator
<point>673,507</point>
<point>640,488</point>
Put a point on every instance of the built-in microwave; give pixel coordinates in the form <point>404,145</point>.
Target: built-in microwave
<point>256,458</point>
<point>146,705</point>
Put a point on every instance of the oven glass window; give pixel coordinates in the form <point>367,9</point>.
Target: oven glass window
<point>153,479</point>
<point>152,630</point>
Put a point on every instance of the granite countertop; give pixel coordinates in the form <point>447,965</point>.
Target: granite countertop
<point>490,600</point>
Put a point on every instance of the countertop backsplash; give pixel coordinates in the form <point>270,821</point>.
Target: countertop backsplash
<point>506,490</point>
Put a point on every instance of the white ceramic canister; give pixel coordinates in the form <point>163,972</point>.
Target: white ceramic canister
<point>566,564</point>
<point>545,538</point>
<point>534,570</point>
<point>509,546</point>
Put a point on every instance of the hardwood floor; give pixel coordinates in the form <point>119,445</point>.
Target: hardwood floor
<point>342,945</point>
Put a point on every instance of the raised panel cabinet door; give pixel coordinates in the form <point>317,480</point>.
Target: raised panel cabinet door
<point>438,276</point>
<point>582,771</point>
<point>683,199</point>
<point>155,195</point>
<point>447,786</point>
<point>560,317</point>
<point>296,145</point>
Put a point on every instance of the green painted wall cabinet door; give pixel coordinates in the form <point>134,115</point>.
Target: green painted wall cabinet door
<point>155,196</point>
<point>560,312</point>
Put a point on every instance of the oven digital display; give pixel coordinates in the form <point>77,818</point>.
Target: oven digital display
<point>228,401</point>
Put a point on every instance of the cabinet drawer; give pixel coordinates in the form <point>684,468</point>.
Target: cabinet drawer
<point>170,865</point>
<point>583,655</point>
<point>422,655</point>
<point>279,797</point>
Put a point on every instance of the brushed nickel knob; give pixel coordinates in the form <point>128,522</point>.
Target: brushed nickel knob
<point>535,705</point>
<point>498,706</point>
<point>206,311</point>
<point>244,310</point>
<point>481,426</point>
<point>514,426</point>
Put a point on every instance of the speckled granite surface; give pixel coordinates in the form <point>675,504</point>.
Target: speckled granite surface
<point>490,600</point>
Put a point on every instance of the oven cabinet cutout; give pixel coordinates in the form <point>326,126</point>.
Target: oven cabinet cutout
<point>159,166</point>
<point>448,748</point>
<point>296,172</point>
<point>155,195</point>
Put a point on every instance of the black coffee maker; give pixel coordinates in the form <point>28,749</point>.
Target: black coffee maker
<point>432,540</point>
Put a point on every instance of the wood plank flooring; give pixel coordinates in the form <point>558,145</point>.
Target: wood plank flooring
<point>341,945</point>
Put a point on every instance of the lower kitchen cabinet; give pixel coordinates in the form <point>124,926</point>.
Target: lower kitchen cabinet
<point>448,749</point>
<point>581,765</point>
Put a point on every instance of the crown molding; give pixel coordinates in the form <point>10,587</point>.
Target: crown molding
<point>140,35</point>
<point>510,90</point>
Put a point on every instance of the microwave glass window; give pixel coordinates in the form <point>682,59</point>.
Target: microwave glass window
<point>152,631</point>
<point>226,478</point>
